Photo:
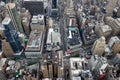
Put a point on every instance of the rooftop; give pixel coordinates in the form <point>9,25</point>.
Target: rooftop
<point>53,37</point>
<point>2,27</point>
<point>89,36</point>
<point>38,19</point>
<point>73,36</point>
<point>33,0</point>
<point>76,78</point>
<point>2,62</point>
<point>6,21</point>
<point>11,5</point>
<point>34,43</point>
<point>106,28</point>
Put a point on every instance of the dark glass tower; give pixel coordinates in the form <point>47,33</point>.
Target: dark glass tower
<point>54,4</point>
<point>11,35</point>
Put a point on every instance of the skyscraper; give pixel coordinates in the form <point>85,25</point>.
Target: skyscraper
<point>54,4</point>
<point>99,46</point>
<point>6,48</point>
<point>34,6</point>
<point>11,35</point>
<point>45,70</point>
<point>11,7</point>
<point>118,12</point>
<point>51,71</point>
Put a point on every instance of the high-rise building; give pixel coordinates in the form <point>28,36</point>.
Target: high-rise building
<point>3,64</point>
<point>73,39</point>
<point>6,48</point>
<point>114,44</point>
<point>34,46</point>
<point>118,12</point>
<point>25,18</point>
<point>110,6</point>
<point>55,68</point>
<point>69,3</point>
<point>98,65</point>
<point>11,35</point>
<point>103,30</point>
<point>34,6</point>
<point>51,71</point>
<point>2,76</point>
<point>116,59</point>
<point>13,13</point>
<point>44,70</point>
<point>54,4</point>
<point>50,22</point>
<point>77,68</point>
<point>60,72</point>
<point>99,46</point>
<point>1,31</point>
<point>26,26</point>
<point>37,23</point>
<point>114,24</point>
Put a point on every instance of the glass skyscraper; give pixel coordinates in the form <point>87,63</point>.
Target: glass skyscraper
<point>11,35</point>
<point>54,4</point>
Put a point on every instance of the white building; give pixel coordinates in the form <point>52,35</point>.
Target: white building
<point>37,23</point>
<point>77,70</point>
<point>53,40</point>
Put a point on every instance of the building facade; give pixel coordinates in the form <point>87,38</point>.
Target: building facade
<point>99,46</point>
<point>11,35</point>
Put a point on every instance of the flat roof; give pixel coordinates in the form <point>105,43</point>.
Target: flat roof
<point>77,59</point>
<point>35,41</point>
<point>106,28</point>
<point>73,36</point>
<point>6,21</point>
<point>76,78</point>
<point>2,62</point>
<point>1,52</point>
<point>33,0</point>
<point>2,27</point>
<point>118,55</point>
<point>73,28</point>
<point>53,36</point>
<point>11,5</point>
